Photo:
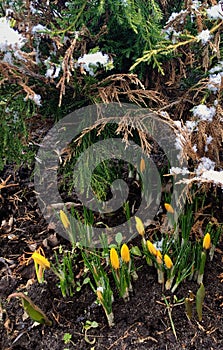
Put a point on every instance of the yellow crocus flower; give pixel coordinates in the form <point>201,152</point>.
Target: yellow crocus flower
<point>64,219</point>
<point>207,241</point>
<point>159,257</point>
<point>40,260</point>
<point>139,226</point>
<point>151,248</point>
<point>169,208</point>
<point>142,165</point>
<point>168,262</point>
<point>125,254</point>
<point>114,259</point>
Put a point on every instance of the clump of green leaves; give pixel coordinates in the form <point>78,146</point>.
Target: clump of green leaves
<point>64,269</point>
<point>101,285</point>
<point>65,272</point>
<point>176,256</point>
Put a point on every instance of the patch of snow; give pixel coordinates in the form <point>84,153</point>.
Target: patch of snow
<point>9,38</point>
<point>35,98</point>
<point>204,36</point>
<point>205,164</point>
<point>91,60</point>
<point>39,28</point>
<point>203,112</point>
<point>215,176</point>
<point>215,12</point>
<point>215,82</point>
<point>53,72</point>
<point>177,171</point>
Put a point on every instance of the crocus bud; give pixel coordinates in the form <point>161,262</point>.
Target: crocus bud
<point>64,219</point>
<point>125,254</point>
<point>159,257</point>
<point>207,241</point>
<point>169,208</point>
<point>151,248</point>
<point>139,226</point>
<point>168,262</point>
<point>142,165</point>
<point>114,259</point>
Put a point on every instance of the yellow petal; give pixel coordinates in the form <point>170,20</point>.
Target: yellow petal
<point>142,165</point>
<point>139,226</point>
<point>40,260</point>
<point>125,254</point>
<point>114,259</point>
<point>169,208</point>
<point>207,241</point>
<point>168,261</point>
<point>151,248</point>
<point>64,219</point>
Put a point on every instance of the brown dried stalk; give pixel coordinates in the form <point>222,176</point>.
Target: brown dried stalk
<point>121,87</point>
<point>68,68</point>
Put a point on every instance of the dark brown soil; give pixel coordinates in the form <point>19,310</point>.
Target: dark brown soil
<point>142,323</point>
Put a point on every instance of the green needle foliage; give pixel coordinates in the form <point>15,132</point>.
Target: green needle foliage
<point>97,26</point>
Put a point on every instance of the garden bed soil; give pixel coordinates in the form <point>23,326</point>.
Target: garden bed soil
<point>142,323</point>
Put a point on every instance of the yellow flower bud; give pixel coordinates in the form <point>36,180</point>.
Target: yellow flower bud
<point>40,260</point>
<point>168,262</point>
<point>139,226</point>
<point>125,254</point>
<point>99,295</point>
<point>151,248</point>
<point>142,165</point>
<point>159,257</point>
<point>169,208</point>
<point>64,219</point>
<point>207,241</point>
<point>114,259</point>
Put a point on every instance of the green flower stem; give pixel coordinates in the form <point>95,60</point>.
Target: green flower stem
<point>202,267</point>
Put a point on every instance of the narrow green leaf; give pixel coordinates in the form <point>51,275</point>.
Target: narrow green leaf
<point>199,300</point>
<point>202,263</point>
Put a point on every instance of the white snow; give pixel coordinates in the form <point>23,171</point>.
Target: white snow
<point>88,61</point>
<point>215,12</point>
<point>53,72</point>
<point>177,171</point>
<point>9,38</point>
<point>205,164</point>
<point>215,82</point>
<point>215,176</point>
<point>39,28</point>
<point>204,36</point>
<point>35,98</point>
<point>203,112</point>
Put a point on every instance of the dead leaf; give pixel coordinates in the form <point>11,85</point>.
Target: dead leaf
<point>34,312</point>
